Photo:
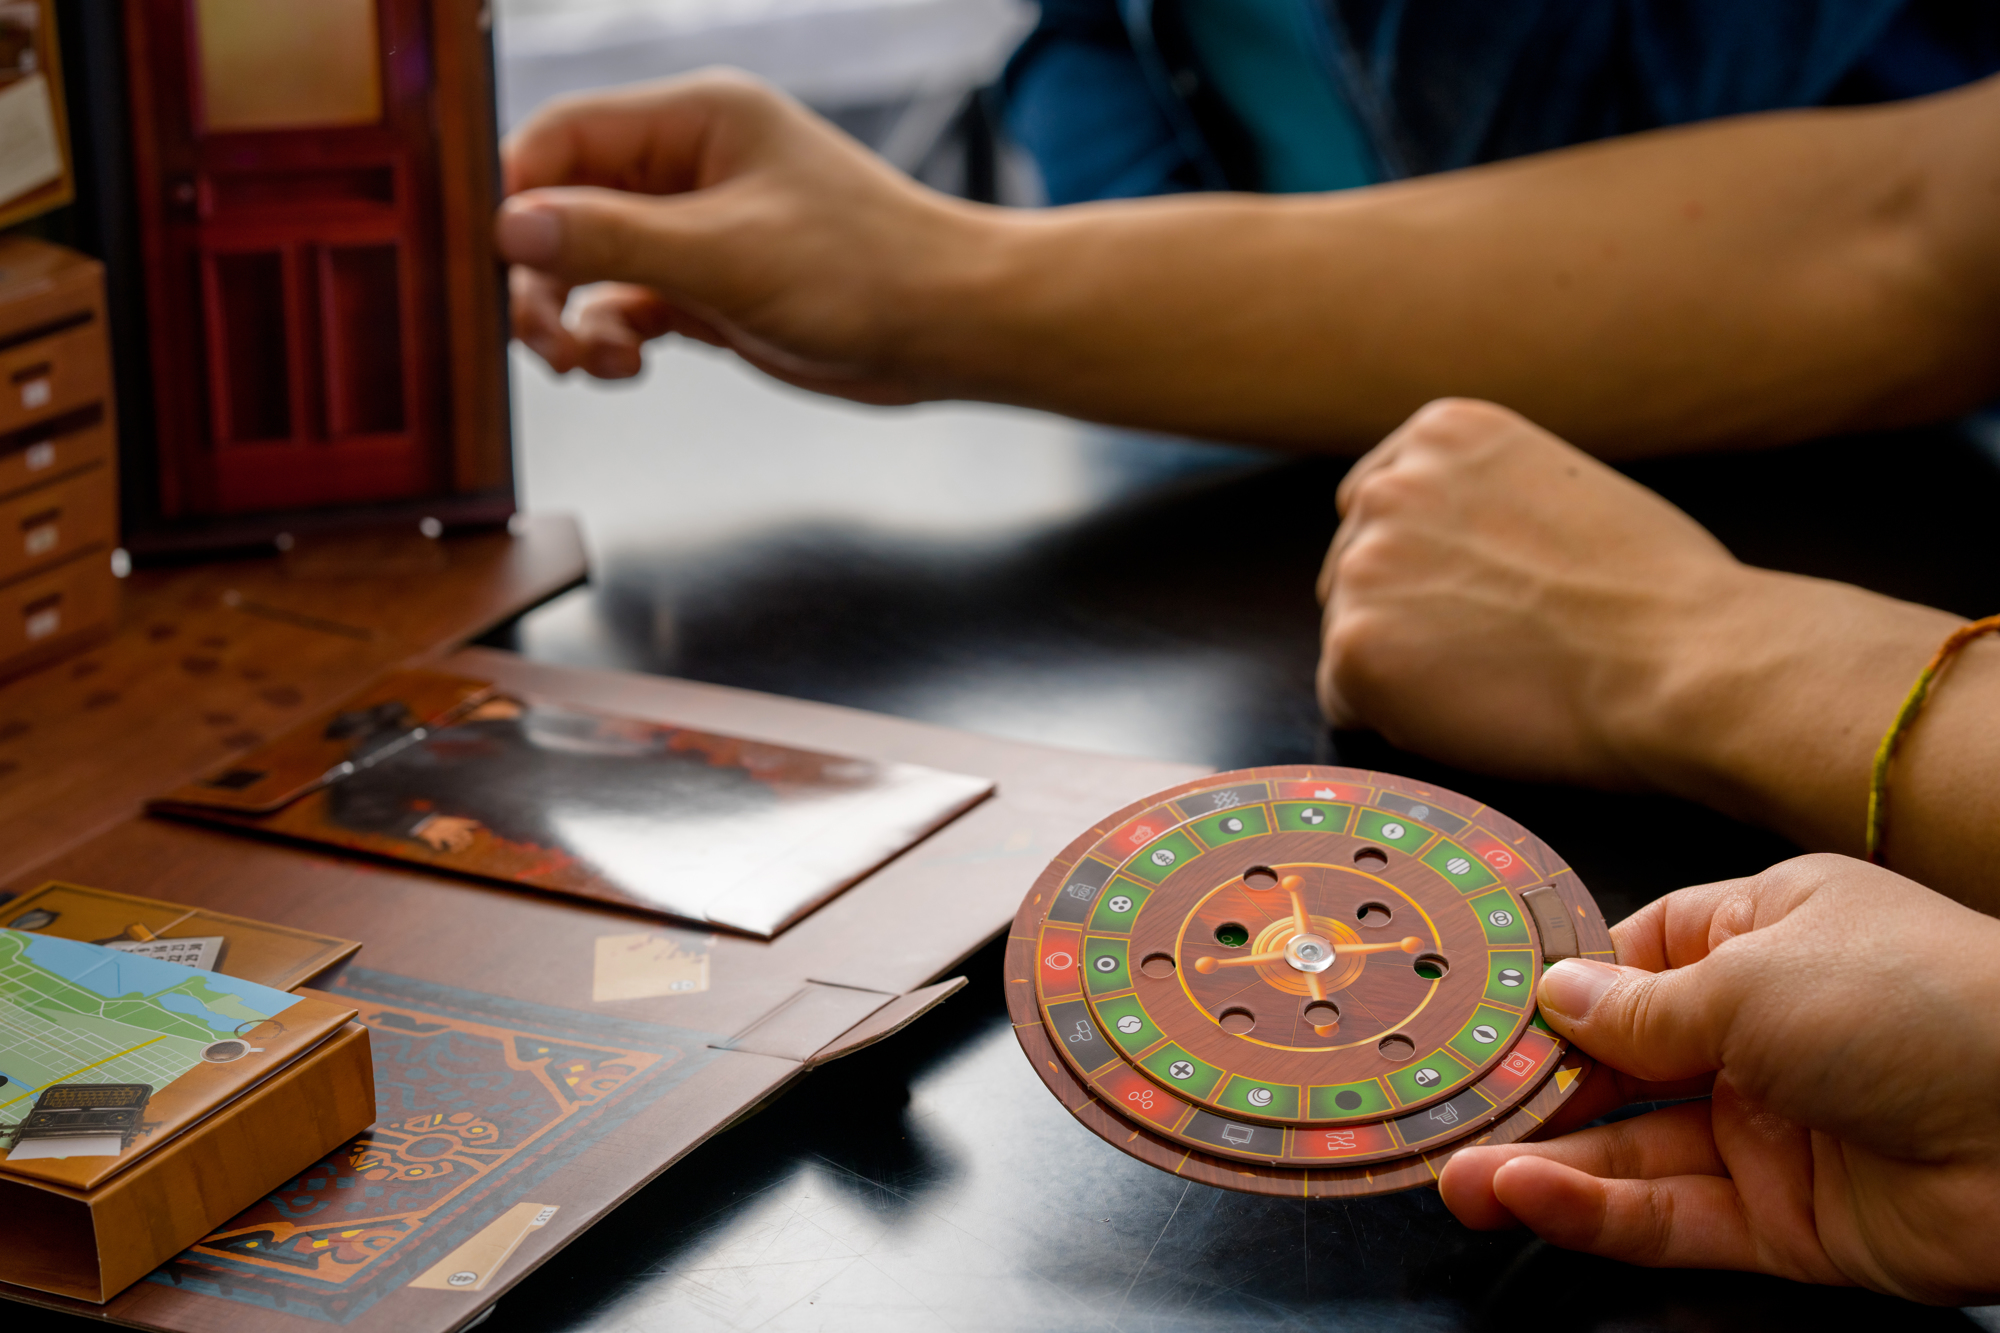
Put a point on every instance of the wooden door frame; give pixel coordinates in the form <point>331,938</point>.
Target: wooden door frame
<point>476,467</point>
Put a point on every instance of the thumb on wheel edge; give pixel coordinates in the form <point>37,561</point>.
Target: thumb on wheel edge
<point>1658,1026</point>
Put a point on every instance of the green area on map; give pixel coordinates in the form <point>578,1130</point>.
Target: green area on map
<point>72,1012</point>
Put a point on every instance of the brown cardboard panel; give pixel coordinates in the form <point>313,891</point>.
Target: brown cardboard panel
<point>717,829</point>
<point>806,1021</point>
<point>635,1153</point>
<point>275,956</point>
<point>890,1019</point>
<point>51,1241</point>
<point>472,1265</point>
<point>479,1098</point>
<point>930,908</point>
<point>310,755</point>
<point>483,961</point>
<point>213,659</point>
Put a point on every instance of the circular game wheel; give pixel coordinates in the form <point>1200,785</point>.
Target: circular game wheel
<point>1301,980</point>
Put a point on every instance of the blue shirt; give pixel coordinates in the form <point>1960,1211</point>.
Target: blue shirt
<point>1116,98</point>
<point>1273,63</point>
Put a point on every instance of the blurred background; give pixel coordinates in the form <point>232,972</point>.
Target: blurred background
<point>906,77</point>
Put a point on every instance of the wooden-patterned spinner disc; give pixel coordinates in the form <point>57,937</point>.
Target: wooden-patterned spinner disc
<point>1301,980</point>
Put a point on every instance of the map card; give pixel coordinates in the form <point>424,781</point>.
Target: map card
<point>105,1055</point>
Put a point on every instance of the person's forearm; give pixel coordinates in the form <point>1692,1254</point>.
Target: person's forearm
<point>1766,279</point>
<point>1773,705</point>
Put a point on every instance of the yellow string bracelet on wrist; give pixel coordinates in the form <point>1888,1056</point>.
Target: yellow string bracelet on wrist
<point>1913,703</point>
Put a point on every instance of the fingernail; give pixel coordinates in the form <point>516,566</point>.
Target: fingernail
<point>1573,987</point>
<point>529,234</point>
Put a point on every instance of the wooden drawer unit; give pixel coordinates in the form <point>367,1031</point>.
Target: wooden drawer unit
<point>53,523</point>
<point>52,369</point>
<point>36,454</point>
<point>55,612</point>
<point>58,461</point>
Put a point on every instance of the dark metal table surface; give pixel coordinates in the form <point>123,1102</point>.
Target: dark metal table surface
<point>1012,574</point>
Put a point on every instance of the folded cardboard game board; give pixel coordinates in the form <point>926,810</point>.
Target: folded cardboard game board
<point>539,1055</point>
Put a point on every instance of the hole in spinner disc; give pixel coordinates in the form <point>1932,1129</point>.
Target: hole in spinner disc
<point>1374,914</point>
<point>1431,966</point>
<point>1232,935</point>
<point>1260,878</point>
<point>1237,1022</point>
<point>1396,1047</point>
<point>1371,858</point>
<point>1158,966</point>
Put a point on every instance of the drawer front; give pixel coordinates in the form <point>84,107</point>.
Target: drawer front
<point>56,604</point>
<point>49,524</point>
<point>53,375</point>
<point>34,454</point>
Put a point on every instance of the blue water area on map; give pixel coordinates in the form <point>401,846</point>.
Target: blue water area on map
<point>186,1004</point>
<point>115,975</point>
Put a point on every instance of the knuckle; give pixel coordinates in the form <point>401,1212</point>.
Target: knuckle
<point>1629,1015</point>
<point>1332,704</point>
<point>731,90</point>
<point>1797,879</point>
<point>1735,917</point>
<point>1373,560</point>
<point>1352,655</point>
<point>614,245</point>
<point>1817,868</point>
<point>1381,491</point>
<point>731,81</point>
<point>1624,1154</point>
<point>1457,422</point>
<point>1347,638</point>
<point>1656,1225</point>
<point>565,113</point>
<point>604,237</point>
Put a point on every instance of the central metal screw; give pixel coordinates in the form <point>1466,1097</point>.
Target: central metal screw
<point>1309,953</point>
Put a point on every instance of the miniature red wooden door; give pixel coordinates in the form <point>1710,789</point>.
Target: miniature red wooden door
<point>286,166</point>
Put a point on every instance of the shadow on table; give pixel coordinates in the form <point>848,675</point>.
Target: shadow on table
<point>1046,1227</point>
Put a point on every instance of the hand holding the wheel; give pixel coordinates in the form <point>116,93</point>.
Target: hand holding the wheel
<point>1847,1017</point>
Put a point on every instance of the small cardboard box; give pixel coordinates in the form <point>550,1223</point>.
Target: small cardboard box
<point>136,1154</point>
<point>93,1243</point>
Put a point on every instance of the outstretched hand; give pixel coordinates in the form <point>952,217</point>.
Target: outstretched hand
<point>716,207</point>
<point>1848,1019</point>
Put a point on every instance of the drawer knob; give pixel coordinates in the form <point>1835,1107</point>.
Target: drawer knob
<point>44,616</point>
